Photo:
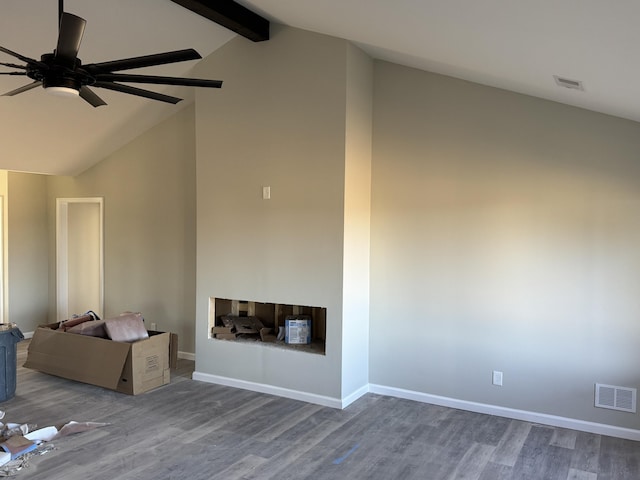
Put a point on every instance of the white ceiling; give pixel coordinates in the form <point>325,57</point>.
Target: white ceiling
<point>510,44</point>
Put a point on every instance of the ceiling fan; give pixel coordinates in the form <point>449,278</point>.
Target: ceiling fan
<point>63,73</point>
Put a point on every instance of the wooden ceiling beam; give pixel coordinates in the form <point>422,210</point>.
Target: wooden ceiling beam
<point>231,15</point>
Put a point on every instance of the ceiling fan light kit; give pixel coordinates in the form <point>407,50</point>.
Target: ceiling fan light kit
<point>63,91</point>
<point>62,72</point>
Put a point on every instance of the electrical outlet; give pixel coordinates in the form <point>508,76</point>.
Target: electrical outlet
<point>497,378</point>
<point>154,327</point>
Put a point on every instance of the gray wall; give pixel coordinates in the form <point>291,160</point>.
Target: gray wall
<point>27,242</point>
<point>279,120</point>
<point>149,214</point>
<point>505,235</point>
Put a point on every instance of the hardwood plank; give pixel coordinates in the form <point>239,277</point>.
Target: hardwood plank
<point>586,452</point>
<point>618,459</point>
<point>509,447</point>
<point>242,468</point>
<point>564,438</point>
<point>538,459</point>
<point>495,471</point>
<point>581,475</point>
<point>473,462</point>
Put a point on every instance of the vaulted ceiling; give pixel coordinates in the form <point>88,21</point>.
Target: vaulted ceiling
<point>517,46</point>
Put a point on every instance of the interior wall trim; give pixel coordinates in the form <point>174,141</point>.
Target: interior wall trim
<point>63,254</point>
<point>187,356</point>
<point>269,389</point>
<point>527,416</point>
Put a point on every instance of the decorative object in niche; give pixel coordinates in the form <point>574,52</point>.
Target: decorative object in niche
<point>298,329</point>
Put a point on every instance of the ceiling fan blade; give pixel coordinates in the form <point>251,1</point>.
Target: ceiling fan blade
<point>28,60</point>
<point>70,36</point>
<point>88,95</point>
<point>13,65</point>
<point>138,91</point>
<point>22,89</point>
<point>187,82</point>
<point>144,61</point>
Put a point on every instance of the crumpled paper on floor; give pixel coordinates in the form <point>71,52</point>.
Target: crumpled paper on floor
<point>14,467</point>
<point>11,429</point>
<point>40,437</point>
<point>72,428</point>
<point>45,434</point>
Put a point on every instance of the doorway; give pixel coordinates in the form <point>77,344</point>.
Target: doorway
<point>79,256</point>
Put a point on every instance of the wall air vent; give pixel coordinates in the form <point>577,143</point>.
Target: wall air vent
<point>616,398</point>
<point>568,83</point>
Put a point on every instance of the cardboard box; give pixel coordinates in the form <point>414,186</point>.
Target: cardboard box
<point>173,351</point>
<point>131,368</point>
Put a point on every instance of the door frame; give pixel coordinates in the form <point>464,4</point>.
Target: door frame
<point>62,253</point>
<point>3,256</point>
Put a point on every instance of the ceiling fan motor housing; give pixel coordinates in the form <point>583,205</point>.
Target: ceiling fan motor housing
<point>60,75</point>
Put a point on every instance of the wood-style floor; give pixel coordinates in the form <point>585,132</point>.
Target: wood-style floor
<point>190,430</point>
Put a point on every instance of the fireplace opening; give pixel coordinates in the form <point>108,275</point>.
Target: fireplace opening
<point>298,327</point>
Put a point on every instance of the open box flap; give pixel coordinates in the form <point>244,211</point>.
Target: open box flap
<point>77,357</point>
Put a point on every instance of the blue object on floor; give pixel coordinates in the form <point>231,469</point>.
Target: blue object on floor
<point>9,337</point>
<point>338,461</point>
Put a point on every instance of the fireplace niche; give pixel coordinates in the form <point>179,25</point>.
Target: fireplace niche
<point>260,322</point>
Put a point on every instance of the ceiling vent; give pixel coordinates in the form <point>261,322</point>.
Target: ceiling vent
<point>616,398</point>
<point>568,83</point>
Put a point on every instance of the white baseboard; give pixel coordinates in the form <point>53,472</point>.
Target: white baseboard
<point>542,418</point>
<point>349,399</point>
<point>270,389</point>
<point>187,356</point>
